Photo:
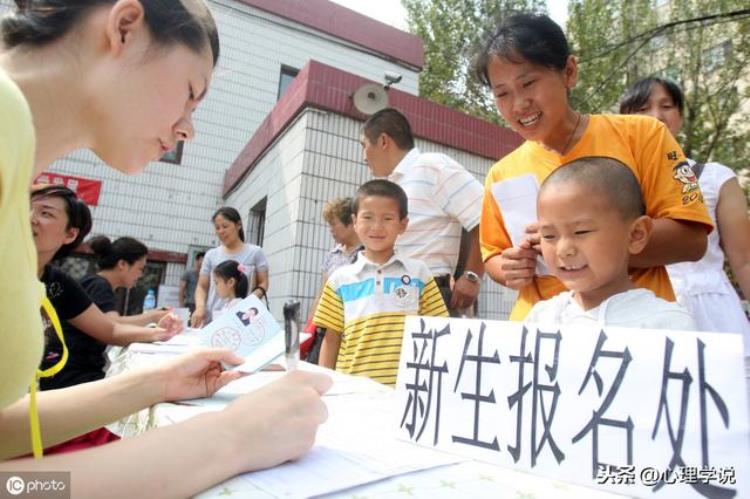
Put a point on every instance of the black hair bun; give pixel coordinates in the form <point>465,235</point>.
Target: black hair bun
<point>100,245</point>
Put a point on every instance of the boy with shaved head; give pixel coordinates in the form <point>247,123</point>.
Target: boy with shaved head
<point>592,218</point>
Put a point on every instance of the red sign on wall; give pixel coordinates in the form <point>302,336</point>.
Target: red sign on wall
<point>86,189</point>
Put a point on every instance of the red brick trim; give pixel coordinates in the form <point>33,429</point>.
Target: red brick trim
<point>327,88</point>
<point>155,255</point>
<point>346,24</point>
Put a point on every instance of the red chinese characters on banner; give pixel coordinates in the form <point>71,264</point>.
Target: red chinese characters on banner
<point>86,189</point>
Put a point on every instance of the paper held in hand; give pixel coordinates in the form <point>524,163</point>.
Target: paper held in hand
<point>249,330</point>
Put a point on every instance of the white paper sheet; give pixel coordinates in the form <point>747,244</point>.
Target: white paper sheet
<point>516,199</point>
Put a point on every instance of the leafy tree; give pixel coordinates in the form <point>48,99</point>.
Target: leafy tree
<point>621,41</point>
<point>451,31</point>
<point>617,42</point>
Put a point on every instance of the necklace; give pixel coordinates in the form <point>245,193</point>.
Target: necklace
<point>572,134</point>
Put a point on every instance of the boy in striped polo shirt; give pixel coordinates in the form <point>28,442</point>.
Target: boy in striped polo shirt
<point>364,304</point>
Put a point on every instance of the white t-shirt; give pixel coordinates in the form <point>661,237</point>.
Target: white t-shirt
<point>636,308</point>
<point>443,198</point>
<point>707,274</point>
<point>250,256</point>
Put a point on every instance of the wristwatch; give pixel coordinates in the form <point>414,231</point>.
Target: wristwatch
<point>472,276</point>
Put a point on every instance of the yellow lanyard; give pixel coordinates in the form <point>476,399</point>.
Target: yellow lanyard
<point>36,433</point>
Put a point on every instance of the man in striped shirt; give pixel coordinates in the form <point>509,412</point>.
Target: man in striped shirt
<point>364,304</point>
<point>443,199</point>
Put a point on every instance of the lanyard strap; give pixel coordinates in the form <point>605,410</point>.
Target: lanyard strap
<point>36,433</point>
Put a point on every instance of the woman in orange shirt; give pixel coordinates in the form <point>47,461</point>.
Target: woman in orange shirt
<point>529,68</point>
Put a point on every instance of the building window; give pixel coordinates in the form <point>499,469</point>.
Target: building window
<point>175,155</point>
<point>285,79</point>
<point>714,57</point>
<point>257,228</point>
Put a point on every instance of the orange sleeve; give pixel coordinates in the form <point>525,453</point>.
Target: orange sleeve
<point>493,237</point>
<point>670,189</point>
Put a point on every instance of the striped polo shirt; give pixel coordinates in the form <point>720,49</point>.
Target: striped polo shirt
<point>367,303</point>
<point>443,198</point>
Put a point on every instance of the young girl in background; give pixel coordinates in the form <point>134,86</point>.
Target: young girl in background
<point>231,284</point>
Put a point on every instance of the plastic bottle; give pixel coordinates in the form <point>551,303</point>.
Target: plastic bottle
<point>149,303</point>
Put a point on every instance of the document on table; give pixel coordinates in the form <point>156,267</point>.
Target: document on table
<point>516,199</point>
<point>250,331</point>
<point>357,445</point>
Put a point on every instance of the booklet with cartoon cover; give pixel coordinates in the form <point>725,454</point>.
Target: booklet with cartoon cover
<point>249,330</point>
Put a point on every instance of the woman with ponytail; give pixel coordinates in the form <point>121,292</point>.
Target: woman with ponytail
<point>121,78</point>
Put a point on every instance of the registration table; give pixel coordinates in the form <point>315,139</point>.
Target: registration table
<point>356,454</point>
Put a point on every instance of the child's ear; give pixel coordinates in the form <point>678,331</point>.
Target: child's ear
<point>640,233</point>
<point>404,224</point>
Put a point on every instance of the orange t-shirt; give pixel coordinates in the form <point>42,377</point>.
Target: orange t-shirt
<point>640,142</point>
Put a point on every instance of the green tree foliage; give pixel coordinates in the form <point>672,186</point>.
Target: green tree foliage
<point>621,41</point>
<point>451,31</point>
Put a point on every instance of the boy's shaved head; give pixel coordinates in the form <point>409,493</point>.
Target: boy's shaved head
<point>603,176</point>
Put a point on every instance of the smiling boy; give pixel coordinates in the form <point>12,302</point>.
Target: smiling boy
<point>591,221</point>
<point>364,304</point>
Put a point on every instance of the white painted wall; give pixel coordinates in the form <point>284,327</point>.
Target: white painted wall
<point>168,207</point>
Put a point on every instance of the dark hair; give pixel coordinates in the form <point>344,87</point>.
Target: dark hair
<point>79,216</point>
<point>386,189</point>
<point>392,123</point>
<point>606,176</point>
<point>232,215</point>
<point>200,254</point>
<point>39,22</point>
<point>520,37</point>
<point>230,269</point>
<point>109,253</point>
<point>637,95</point>
<point>340,209</point>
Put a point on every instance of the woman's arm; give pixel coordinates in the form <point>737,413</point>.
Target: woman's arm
<point>143,319</point>
<point>259,430</point>
<point>70,412</point>
<point>734,232</point>
<point>261,281</point>
<point>104,328</point>
<point>672,241</point>
<point>201,295</point>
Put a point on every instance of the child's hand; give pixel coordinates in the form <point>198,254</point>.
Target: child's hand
<point>518,265</point>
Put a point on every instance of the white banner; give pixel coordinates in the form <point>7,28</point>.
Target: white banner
<point>640,412</point>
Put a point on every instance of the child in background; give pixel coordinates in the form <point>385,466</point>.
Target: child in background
<point>364,304</point>
<point>231,283</point>
<point>592,219</point>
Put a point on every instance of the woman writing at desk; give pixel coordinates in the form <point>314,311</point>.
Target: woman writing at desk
<point>121,78</point>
